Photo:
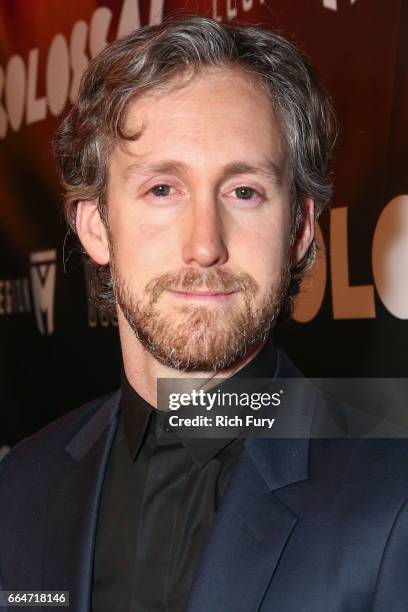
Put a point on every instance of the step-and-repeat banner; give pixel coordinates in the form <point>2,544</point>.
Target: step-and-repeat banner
<point>56,350</point>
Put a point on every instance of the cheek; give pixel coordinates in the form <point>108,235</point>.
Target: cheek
<point>143,251</point>
<point>263,252</point>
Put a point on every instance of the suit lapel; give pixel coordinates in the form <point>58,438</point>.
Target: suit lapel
<point>73,508</point>
<point>252,527</point>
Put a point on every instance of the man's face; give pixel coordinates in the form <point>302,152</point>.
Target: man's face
<point>200,203</point>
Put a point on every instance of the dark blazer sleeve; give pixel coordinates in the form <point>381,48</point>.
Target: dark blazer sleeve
<point>391,591</point>
<point>5,461</point>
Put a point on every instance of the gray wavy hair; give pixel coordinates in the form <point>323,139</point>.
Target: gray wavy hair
<point>148,59</point>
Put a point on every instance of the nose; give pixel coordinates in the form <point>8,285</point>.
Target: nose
<point>204,236</point>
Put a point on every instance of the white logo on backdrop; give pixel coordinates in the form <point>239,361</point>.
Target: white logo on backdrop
<point>42,273</point>
<point>16,297</point>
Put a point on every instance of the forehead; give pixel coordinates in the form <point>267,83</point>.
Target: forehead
<point>217,111</point>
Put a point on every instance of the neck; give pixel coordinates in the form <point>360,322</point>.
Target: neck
<point>142,369</point>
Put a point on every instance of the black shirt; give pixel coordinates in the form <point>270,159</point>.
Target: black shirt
<point>160,496</point>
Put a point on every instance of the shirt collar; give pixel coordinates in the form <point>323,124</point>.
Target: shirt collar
<point>137,413</point>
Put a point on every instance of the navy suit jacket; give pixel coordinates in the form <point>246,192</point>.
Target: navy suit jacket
<point>305,525</point>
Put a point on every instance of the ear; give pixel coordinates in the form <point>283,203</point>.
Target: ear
<point>305,233</point>
<point>92,231</point>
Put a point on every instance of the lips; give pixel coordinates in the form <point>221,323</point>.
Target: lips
<point>206,292</point>
<point>203,295</point>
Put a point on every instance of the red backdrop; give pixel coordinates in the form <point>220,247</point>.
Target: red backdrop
<point>55,350</point>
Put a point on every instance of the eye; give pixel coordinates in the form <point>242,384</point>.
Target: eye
<point>161,190</point>
<point>244,193</point>
<point>249,195</point>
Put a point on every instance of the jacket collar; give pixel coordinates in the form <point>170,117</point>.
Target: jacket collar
<point>283,460</point>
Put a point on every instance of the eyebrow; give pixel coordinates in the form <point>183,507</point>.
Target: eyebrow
<point>268,168</point>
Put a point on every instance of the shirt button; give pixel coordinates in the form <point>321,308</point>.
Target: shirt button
<point>167,428</point>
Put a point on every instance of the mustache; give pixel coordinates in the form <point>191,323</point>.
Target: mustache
<point>211,280</point>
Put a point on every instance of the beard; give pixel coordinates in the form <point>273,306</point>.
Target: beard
<point>195,337</point>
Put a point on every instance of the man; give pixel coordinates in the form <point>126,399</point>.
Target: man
<point>194,164</point>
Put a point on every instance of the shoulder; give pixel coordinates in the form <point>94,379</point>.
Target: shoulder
<point>46,444</point>
<point>346,442</point>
